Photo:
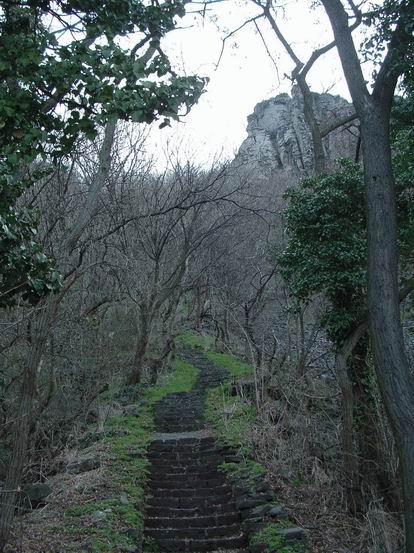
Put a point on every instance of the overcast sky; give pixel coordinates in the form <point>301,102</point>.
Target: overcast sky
<point>245,75</point>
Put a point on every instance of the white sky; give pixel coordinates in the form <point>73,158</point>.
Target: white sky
<point>245,75</point>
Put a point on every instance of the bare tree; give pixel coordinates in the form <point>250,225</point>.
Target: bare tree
<point>42,319</point>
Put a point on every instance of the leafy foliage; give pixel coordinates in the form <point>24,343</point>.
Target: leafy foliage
<point>68,67</point>
<point>326,225</point>
<point>392,21</point>
<point>326,252</point>
<point>271,537</point>
<point>402,135</point>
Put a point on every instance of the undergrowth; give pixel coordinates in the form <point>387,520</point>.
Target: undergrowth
<point>275,542</point>
<point>197,341</point>
<point>234,366</point>
<point>244,469</point>
<point>230,416</point>
<point>233,419</point>
<point>127,439</point>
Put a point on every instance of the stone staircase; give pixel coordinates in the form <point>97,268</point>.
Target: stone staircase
<point>192,507</point>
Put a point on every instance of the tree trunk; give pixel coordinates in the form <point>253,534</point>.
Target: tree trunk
<point>391,364</point>
<point>372,463</point>
<point>350,460</point>
<point>319,157</point>
<point>199,298</point>
<point>135,376</point>
<point>393,372</point>
<point>24,422</point>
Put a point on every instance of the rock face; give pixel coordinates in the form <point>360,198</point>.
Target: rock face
<point>279,142</point>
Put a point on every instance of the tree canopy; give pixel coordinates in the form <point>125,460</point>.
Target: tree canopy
<point>67,68</point>
<point>326,226</point>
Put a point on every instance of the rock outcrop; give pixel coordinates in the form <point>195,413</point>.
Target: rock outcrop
<point>279,142</point>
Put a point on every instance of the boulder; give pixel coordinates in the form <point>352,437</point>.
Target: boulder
<point>35,495</point>
<point>101,516</point>
<point>83,465</point>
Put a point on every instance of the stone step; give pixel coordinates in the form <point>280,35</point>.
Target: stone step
<point>183,459</point>
<point>188,418</point>
<point>212,501</point>
<point>219,491</point>
<point>175,483</point>
<point>184,476</point>
<point>173,512</point>
<point>168,460</point>
<point>196,446</point>
<point>180,428</point>
<point>187,448</point>
<point>192,533</point>
<point>202,521</point>
<point>162,464</point>
<point>191,468</point>
<point>183,546</point>
<point>183,442</point>
<point>186,471</point>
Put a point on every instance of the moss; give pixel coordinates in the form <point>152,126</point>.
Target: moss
<point>230,416</point>
<point>285,523</point>
<point>182,380</point>
<point>275,542</point>
<point>150,545</point>
<point>234,366</point>
<point>99,540</point>
<point>127,439</point>
<point>194,340</point>
<point>246,469</point>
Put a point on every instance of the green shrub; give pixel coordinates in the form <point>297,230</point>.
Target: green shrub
<point>275,542</point>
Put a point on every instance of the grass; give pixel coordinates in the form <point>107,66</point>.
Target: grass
<point>127,440</point>
<point>198,341</point>
<point>235,367</point>
<point>182,380</point>
<point>245,469</point>
<point>230,416</point>
<point>275,542</point>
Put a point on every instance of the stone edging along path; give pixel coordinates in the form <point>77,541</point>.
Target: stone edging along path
<point>193,505</point>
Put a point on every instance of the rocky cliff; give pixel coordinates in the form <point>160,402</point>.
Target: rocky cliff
<point>279,142</point>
